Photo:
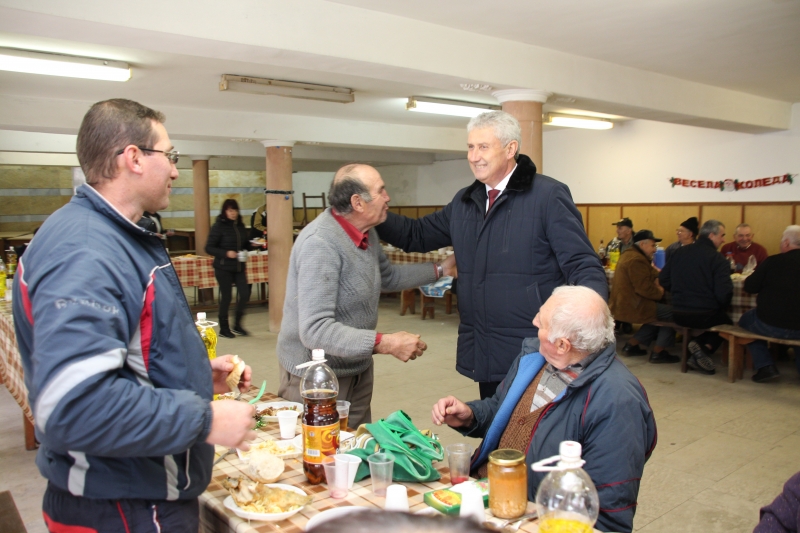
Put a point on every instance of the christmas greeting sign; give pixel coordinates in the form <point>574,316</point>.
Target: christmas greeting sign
<point>731,185</point>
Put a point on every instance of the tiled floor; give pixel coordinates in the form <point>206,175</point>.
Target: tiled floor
<point>724,449</point>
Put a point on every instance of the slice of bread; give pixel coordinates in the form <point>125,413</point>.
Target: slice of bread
<point>236,374</point>
<point>264,467</point>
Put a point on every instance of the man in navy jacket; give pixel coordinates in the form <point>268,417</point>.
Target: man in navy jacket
<point>517,236</point>
<point>567,384</point>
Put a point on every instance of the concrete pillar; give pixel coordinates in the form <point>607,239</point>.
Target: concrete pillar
<point>526,106</point>
<point>279,225</point>
<point>202,206</point>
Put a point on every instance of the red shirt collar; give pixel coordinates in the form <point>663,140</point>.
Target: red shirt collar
<point>361,240</point>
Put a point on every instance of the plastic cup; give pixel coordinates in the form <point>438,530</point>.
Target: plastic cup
<point>459,457</point>
<point>381,466</point>
<point>396,498</point>
<point>287,420</point>
<point>348,465</point>
<point>337,484</point>
<point>472,504</point>
<point>343,407</point>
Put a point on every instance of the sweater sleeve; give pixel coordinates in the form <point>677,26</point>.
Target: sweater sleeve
<point>319,265</point>
<point>399,277</point>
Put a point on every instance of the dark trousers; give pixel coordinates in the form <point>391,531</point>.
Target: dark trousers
<point>703,321</point>
<point>226,280</point>
<point>488,388</point>
<point>61,510</point>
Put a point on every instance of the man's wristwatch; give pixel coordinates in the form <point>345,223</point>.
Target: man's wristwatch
<point>439,270</point>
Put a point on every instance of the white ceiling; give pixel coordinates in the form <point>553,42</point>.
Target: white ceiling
<point>729,64</point>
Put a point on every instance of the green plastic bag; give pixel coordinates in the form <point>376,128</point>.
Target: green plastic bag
<point>413,452</point>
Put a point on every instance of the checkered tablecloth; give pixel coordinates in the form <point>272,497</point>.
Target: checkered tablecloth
<point>215,518</point>
<point>10,362</point>
<point>742,301</point>
<point>198,271</point>
<point>399,257</point>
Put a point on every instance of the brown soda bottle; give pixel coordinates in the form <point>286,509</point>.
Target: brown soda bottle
<point>319,389</point>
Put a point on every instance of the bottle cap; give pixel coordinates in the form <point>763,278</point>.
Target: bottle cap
<point>201,317</point>
<point>318,354</point>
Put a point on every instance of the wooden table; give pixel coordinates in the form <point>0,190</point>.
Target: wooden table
<point>215,518</point>
<point>186,233</point>
<point>12,373</point>
<point>408,297</point>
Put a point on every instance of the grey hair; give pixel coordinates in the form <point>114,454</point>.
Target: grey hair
<point>743,225</point>
<point>583,317</point>
<point>711,226</point>
<point>792,234</point>
<point>506,128</point>
<point>345,184</point>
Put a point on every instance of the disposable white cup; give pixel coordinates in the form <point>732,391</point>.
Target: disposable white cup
<point>396,498</point>
<point>335,477</point>
<point>472,505</point>
<point>287,420</point>
<point>349,465</point>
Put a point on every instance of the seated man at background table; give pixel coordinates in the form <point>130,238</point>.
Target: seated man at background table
<point>699,279</point>
<point>118,377</point>
<point>635,297</point>
<point>336,273</point>
<point>624,239</point>
<point>777,283</point>
<point>687,234</point>
<point>744,248</point>
<point>567,384</point>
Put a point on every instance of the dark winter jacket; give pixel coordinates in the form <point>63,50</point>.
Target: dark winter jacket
<point>605,410</point>
<point>226,235</point>
<point>634,292</point>
<point>509,262</point>
<point>698,277</point>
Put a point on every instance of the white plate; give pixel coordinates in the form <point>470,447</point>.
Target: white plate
<point>297,442</point>
<point>336,512</point>
<point>265,517</point>
<point>298,407</point>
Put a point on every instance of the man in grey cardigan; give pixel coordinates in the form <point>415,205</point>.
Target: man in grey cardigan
<point>336,274</point>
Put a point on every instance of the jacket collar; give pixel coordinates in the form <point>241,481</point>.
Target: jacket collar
<point>88,194</point>
<point>634,247</point>
<point>702,239</point>
<point>601,362</point>
<point>521,180</point>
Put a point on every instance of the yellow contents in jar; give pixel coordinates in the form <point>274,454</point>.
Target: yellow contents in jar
<point>563,525</point>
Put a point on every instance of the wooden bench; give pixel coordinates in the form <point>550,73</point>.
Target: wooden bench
<point>10,520</point>
<point>737,338</point>
<point>429,304</point>
<point>687,333</point>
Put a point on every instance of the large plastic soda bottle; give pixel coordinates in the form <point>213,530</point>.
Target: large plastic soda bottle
<point>319,389</point>
<point>567,500</point>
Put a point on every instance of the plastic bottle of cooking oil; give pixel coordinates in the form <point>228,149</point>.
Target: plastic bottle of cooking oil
<point>2,280</point>
<point>567,499</point>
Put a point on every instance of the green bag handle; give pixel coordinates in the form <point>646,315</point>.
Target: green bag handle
<point>394,435</point>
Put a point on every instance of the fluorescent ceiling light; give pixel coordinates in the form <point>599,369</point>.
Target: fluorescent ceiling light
<point>440,106</point>
<point>574,121</point>
<point>292,89</point>
<point>61,65</point>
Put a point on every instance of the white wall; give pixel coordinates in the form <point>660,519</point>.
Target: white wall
<point>311,183</point>
<point>633,163</point>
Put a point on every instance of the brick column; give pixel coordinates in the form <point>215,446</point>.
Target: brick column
<point>202,207</point>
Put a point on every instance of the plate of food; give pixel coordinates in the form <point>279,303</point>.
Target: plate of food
<point>285,449</point>
<point>336,512</point>
<point>268,411</point>
<point>264,502</point>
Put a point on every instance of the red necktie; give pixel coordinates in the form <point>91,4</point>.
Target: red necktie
<point>493,194</point>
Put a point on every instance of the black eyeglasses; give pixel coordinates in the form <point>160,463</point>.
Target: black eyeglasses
<point>172,156</point>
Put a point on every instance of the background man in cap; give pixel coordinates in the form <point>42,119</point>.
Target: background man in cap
<point>744,247</point>
<point>624,238</point>
<point>635,296</point>
<point>687,234</point>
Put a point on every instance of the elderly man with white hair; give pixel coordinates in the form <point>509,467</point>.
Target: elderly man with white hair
<point>777,283</point>
<point>567,384</point>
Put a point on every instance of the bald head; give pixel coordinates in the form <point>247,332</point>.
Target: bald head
<point>359,194</point>
<point>348,181</point>
<point>582,316</point>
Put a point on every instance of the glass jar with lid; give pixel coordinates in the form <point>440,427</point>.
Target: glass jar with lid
<point>508,483</point>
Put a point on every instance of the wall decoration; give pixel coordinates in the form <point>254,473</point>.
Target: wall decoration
<point>731,185</point>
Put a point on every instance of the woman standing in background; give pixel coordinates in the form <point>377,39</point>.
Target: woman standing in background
<point>227,238</point>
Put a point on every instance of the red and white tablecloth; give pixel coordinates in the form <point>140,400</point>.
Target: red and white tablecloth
<point>399,257</point>
<point>198,271</point>
<point>10,361</point>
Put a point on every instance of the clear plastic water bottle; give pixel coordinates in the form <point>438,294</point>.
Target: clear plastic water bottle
<point>567,500</point>
<point>319,389</point>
